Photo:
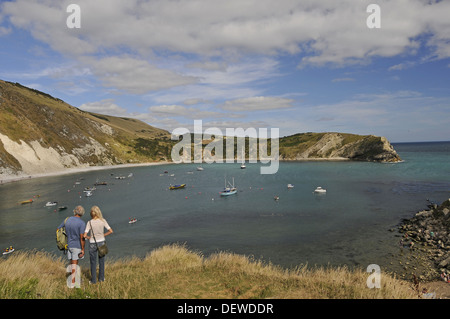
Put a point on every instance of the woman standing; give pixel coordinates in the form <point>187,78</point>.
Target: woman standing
<point>97,238</point>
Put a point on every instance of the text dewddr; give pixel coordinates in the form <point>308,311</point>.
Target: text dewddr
<point>225,308</point>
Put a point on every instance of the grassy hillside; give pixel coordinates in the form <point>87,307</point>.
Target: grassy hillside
<point>175,272</point>
<point>30,115</point>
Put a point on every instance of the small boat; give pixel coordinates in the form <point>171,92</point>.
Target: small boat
<point>8,250</point>
<point>100,183</point>
<point>62,208</point>
<point>49,204</point>
<point>28,201</point>
<point>320,190</point>
<point>120,177</point>
<point>87,193</point>
<point>243,161</point>
<point>276,197</point>
<point>290,186</point>
<point>132,221</point>
<point>89,189</point>
<point>199,168</point>
<point>130,175</point>
<point>228,190</point>
<point>177,186</point>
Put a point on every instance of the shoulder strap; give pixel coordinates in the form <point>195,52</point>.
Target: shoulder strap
<point>92,230</point>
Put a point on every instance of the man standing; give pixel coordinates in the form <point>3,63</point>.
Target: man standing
<point>75,227</point>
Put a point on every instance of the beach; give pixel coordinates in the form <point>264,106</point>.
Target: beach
<point>9,178</point>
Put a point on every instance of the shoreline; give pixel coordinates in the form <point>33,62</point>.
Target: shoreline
<point>74,170</point>
<point>11,178</point>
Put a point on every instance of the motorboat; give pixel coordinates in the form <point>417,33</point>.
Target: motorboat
<point>290,186</point>
<point>49,204</point>
<point>243,160</point>
<point>320,190</point>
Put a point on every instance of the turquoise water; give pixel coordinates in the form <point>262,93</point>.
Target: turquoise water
<point>348,225</point>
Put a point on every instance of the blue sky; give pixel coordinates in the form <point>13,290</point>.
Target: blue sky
<point>300,66</point>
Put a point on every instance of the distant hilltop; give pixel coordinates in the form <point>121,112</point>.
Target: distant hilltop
<point>42,134</point>
<point>337,146</point>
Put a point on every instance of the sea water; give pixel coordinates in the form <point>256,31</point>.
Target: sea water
<point>349,225</point>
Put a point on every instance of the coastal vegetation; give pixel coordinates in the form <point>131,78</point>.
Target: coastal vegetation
<point>175,272</point>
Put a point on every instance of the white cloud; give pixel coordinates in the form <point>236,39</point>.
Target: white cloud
<point>4,31</point>
<point>327,31</point>
<point>186,112</point>
<point>65,71</point>
<point>135,75</point>
<point>170,110</point>
<point>209,65</point>
<point>239,80</point>
<point>402,66</point>
<point>106,106</point>
<point>257,103</point>
<point>193,101</point>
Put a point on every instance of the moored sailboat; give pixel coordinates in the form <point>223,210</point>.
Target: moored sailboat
<point>229,189</point>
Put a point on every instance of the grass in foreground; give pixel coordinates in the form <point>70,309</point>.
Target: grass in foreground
<point>175,272</point>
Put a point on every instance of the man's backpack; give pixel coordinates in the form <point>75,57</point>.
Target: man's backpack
<point>61,237</point>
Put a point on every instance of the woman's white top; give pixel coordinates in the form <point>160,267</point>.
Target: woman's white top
<point>98,226</point>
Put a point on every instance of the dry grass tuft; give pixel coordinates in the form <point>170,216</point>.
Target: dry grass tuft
<point>175,272</point>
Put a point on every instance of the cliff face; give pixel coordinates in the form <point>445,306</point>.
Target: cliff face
<point>337,146</point>
<point>40,133</point>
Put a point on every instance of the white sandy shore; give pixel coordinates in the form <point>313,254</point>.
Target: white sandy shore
<point>4,178</point>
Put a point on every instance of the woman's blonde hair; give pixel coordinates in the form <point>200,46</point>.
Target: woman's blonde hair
<point>96,212</point>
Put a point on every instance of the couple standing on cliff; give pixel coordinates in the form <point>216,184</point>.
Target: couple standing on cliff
<point>77,232</point>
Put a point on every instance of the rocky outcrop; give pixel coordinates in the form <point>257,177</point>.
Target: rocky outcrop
<point>371,148</point>
<point>337,146</point>
<point>428,232</point>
